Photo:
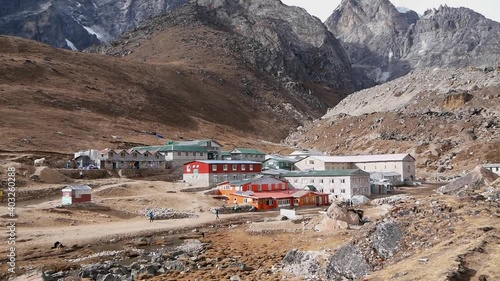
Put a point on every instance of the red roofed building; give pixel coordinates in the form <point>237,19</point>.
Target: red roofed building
<point>266,193</point>
<point>212,172</point>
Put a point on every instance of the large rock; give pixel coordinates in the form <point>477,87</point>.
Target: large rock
<point>337,217</point>
<point>387,239</point>
<point>478,178</point>
<point>348,262</point>
<point>46,175</point>
<point>305,264</point>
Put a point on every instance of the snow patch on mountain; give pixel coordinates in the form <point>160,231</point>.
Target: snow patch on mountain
<point>70,45</point>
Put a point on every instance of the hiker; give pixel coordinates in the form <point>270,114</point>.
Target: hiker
<point>217,213</point>
<point>151,216</point>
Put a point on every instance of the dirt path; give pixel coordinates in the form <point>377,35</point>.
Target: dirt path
<point>82,234</point>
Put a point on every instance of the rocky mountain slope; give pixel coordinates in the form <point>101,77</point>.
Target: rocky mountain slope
<point>77,24</point>
<point>448,119</point>
<point>384,44</point>
<point>288,45</point>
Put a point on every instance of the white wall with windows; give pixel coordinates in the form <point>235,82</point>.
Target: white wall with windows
<point>339,187</point>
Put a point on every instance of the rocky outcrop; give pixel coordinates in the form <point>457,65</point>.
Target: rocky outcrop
<point>348,262</point>
<point>371,32</point>
<point>384,44</point>
<point>288,42</point>
<point>479,177</point>
<point>305,264</point>
<point>77,24</point>
<point>387,238</point>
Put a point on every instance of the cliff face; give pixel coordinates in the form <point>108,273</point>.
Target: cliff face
<point>384,44</point>
<point>291,41</point>
<point>77,24</point>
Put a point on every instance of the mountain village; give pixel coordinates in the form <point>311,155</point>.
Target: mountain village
<point>249,140</point>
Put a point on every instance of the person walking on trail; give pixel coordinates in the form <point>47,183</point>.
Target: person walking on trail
<point>151,216</point>
<point>217,213</point>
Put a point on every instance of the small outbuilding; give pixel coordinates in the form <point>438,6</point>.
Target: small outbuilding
<point>73,194</point>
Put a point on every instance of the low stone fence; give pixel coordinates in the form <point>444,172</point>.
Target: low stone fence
<point>87,174</point>
<point>135,173</point>
<point>31,194</point>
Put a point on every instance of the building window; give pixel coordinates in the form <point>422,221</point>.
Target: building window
<point>186,153</point>
<point>342,191</point>
<point>110,154</point>
<point>311,162</point>
<point>225,168</point>
<point>215,178</point>
<point>179,153</point>
<point>250,167</point>
<point>235,177</point>
<point>194,153</point>
<point>188,168</point>
<point>283,202</point>
<point>201,153</point>
<point>122,154</point>
<point>311,180</point>
<point>342,181</point>
<point>146,155</point>
<point>295,180</point>
<point>260,187</point>
<point>269,202</point>
<point>157,156</point>
<point>134,155</point>
<point>247,200</point>
<point>243,167</point>
<point>234,167</point>
<point>214,168</point>
<point>332,181</point>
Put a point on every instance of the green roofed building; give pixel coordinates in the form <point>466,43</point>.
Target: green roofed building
<point>247,154</point>
<point>180,152</point>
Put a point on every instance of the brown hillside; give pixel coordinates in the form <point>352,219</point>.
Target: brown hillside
<point>447,119</point>
<point>57,100</point>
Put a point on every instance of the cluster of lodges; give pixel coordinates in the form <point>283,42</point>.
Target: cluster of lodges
<point>249,176</point>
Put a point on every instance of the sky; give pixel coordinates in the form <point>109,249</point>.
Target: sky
<point>324,8</point>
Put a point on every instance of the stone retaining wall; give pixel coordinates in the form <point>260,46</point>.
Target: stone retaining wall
<point>31,194</point>
<point>87,174</point>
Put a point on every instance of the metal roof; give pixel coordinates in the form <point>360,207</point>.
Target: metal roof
<point>364,158</point>
<point>170,147</point>
<point>77,187</point>
<point>386,174</point>
<point>326,173</point>
<point>247,151</point>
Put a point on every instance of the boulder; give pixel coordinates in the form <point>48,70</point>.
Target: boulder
<point>338,218</point>
<point>387,239</point>
<point>46,175</point>
<point>359,200</point>
<point>305,264</point>
<point>478,178</point>
<point>348,262</point>
<point>391,199</point>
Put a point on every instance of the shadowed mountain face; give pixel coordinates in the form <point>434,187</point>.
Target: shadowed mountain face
<point>384,44</point>
<point>77,24</point>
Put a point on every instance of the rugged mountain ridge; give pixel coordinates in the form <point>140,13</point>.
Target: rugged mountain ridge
<point>77,24</point>
<point>266,36</point>
<point>448,119</point>
<point>384,44</point>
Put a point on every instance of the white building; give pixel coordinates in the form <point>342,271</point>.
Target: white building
<point>390,177</point>
<point>340,184</point>
<point>495,168</point>
<point>403,164</point>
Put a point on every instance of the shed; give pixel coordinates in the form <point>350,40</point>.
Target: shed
<point>76,194</point>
